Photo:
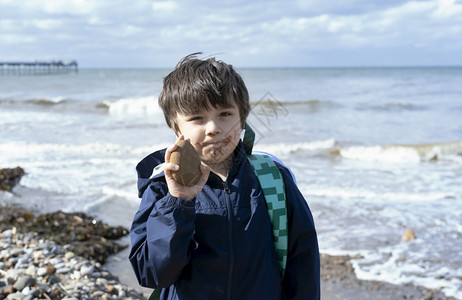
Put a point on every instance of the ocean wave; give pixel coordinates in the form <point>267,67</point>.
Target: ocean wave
<point>23,151</point>
<point>131,106</point>
<point>405,153</point>
<point>123,106</point>
<point>449,151</point>
<point>46,102</point>
<point>392,106</point>
<point>370,195</point>
<point>310,105</point>
<point>314,147</point>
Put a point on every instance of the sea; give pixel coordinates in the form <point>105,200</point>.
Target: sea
<point>375,151</point>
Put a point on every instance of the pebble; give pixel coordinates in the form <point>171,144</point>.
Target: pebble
<point>87,270</point>
<point>33,268</point>
<point>408,235</point>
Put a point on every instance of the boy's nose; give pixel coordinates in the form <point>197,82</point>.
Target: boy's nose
<point>213,128</point>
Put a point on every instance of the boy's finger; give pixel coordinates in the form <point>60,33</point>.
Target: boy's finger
<point>171,167</point>
<point>169,151</point>
<point>172,148</point>
<point>205,176</point>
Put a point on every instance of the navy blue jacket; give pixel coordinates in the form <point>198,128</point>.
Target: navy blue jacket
<point>220,244</point>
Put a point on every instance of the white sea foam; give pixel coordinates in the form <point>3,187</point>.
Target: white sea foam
<point>134,106</point>
<point>398,264</point>
<point>16,150</point>
<point>404,153</point>
<point>68,169</point>
<point>376,196</point>
<point>123,193</point>
<point>286,149</point>
<point>378,153</point>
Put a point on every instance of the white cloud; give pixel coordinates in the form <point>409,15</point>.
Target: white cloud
<point>78,7</point>
<point>448,9</point>
<point>164,6</point>
<point>252,32</point>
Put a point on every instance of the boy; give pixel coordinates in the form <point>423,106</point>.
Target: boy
<point>214,240</point>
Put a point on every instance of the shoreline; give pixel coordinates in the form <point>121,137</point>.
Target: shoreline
<point>338,280</point>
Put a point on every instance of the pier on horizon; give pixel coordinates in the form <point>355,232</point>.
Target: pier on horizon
<point>38,67</point>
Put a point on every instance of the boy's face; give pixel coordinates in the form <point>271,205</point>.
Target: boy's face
<point>214,133</point>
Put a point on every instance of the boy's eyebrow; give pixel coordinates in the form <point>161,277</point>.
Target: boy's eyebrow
<point>228,105</point>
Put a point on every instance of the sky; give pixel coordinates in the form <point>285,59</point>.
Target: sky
<point>256,33</point>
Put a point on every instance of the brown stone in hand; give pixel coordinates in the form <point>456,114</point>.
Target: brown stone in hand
<point>186,157</point>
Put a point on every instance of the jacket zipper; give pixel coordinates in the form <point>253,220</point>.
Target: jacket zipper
<point>229,207</point>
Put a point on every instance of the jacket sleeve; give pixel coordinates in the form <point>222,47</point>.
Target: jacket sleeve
<point>302,275</point>
<point>161,235</point>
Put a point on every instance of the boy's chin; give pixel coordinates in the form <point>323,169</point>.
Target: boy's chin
<point>215,157</point>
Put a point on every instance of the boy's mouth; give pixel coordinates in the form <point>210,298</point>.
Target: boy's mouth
<point>215,143</point>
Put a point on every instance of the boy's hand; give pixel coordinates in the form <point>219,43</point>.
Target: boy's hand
<point>175,188</point>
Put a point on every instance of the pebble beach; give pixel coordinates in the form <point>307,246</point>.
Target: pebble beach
<point>33,267</point>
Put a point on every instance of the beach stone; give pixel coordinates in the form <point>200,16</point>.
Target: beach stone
<point>26,290</point>
<point>86,270</point>
<point>21,261</point>
<point>42,271</point>
<point>50,269</point>
<point>76,275</point>
<point>16,296</point>
<point>53,279</point>
<point>59,265</point>
<point>101,281</point>
<point>8,290</point>
<point>111,289</point>
<point>97,294</point>
<point>33,294</point>
<point>23,282</point>
<point>186,157</point>
<point>63,270</point>
<point>7,233</point>
<point>10,177</point>
<point>37,254</point>
<point>408,235</point>
<point>56,292</point>
<point>12,275</point>
<point>31,270</point>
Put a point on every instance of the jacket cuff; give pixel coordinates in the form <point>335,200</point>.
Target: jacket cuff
<point>178,202</point>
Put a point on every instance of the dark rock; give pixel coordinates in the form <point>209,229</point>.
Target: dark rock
<point>10,177</point>
<point>53,279</point>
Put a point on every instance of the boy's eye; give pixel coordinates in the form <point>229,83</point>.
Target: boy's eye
<point>195,118</point>
<point>225,114</point>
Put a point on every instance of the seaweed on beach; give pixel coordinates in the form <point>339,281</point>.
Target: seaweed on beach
<point>82,234</point>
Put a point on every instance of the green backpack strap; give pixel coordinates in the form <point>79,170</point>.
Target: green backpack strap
<point>272,185</point>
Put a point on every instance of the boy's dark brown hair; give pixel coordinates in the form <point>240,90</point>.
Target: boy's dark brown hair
<point>195,84</point>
